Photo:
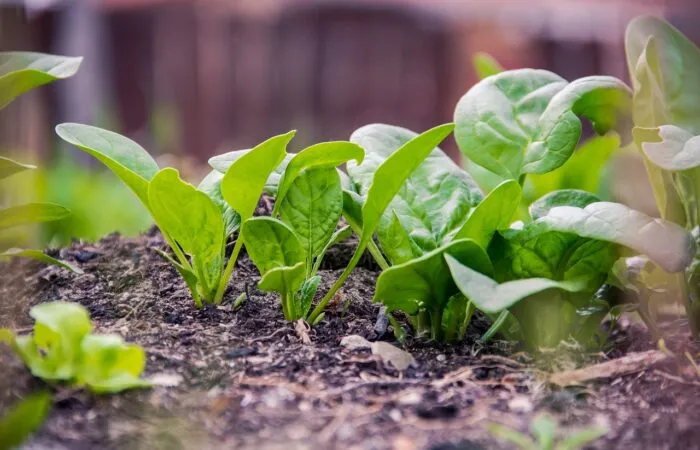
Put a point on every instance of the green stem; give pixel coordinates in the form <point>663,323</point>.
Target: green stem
<point>285,306</point>
<point>377,255</point>
<point>202,279</point>
<point>521,179</point>
<point>495,326</point>
<point>339,282</point>
<point>223,282</point>
<point>436,325</point>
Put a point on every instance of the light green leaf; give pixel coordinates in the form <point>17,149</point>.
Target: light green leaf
<point>493,213</point>
<point>9,167</point>
<point>23,419</point>
<point>426,282</point>
<point>352,209</point>
<point>53,351</point>
<point>665,243</point>
<point>312,206</point>
<point>582,438</point>
<point>563,197</point>
<point>520,440</point>
<point>109,365</point>
<point>323,155</point>
<point>245,179</point>
<point>271,244</point>
<point>31,213</point>
<point>188,215</point>
<point>39,256</point>
<point>670,147</point>
<point>211,185</point>
<point>221,163</point>
<point>491,297</point>
<point>433,202</point>
<point>187,275</point>
<point>23,71</point>
<point>397,244</point>
<point>456,318</point>
<point>485,65</point>
<point>283,280</point>
<point>128,160</point>
<point>527,121</point>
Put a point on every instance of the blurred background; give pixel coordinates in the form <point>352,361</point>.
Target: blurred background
<point>189,79</point>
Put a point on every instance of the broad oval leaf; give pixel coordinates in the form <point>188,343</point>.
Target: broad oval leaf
<point>271,243</point>
<point>435,198</point>
<point>127,159</point>
<point>527,121</point>
<point>492,297</point>
<point>39,256</point>
<point>312,206</point>
<point>670,147</point>
<point>323,155</point>
<point>9,167</point>
<point>23,71</point>
<point>246,177</point>
<point>31,213</point>
<point>186,214</point>
<point>495,212</point>
<point>496,119</point>
<point>562,197</point>
<point>426,282</point>
<point>664,242</point>
<point>285,280</point>
<point>211,185</point>
<point>605,101</point>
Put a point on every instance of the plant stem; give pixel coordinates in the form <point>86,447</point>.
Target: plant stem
<point>339,282</point>
<point>285,306</point>
<point>377,255</point>
<point>436,325</point>
<point>223,282</point>
<point>521,179</point>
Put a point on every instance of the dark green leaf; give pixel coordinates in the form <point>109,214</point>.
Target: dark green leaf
<point>271,244</point>
<point>305,296</point>
<point>312,206</point>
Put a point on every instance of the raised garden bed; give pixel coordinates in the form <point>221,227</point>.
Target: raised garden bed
<point>245,379</point>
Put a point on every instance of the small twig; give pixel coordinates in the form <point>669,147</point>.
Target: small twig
<point>271,335</point>
<point>631,363</point>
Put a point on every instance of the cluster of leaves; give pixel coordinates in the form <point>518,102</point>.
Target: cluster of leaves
<point>19,73</point>
<point>663,67</point>
<point>63,348</point>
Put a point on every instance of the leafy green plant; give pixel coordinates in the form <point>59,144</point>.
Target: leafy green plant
<point>62,348</point>
<point>23,419</point>
<point>364,209</point>
<point>214,211</point>
<point>20,72</point>
<point>663,65</point>
<point>547,436</point>
<point>438,210</point>
<point>309,201</point>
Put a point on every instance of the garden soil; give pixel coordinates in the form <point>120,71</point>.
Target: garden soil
<point>247,379</point>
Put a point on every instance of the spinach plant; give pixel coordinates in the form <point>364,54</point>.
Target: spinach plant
<point>309,201</point>
<point>438,210</point>
<point>23,419</point>
<point>63,348</point>
<point>19,73</point>
<point>195,222</point>
<point>548,270</point>
<point>663,66</point>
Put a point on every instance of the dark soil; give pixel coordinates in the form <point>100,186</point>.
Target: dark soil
<point>244,379</point>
